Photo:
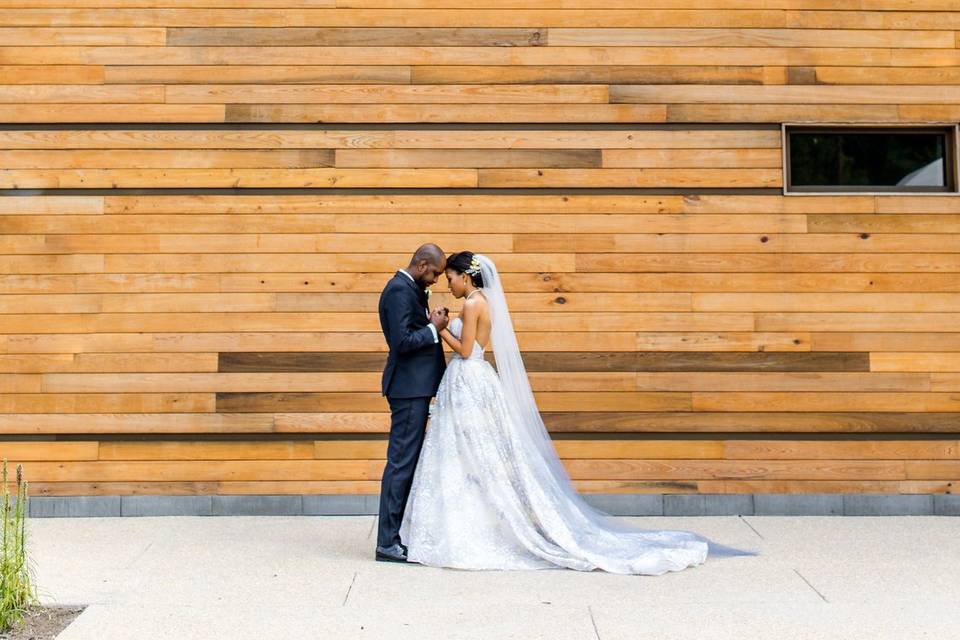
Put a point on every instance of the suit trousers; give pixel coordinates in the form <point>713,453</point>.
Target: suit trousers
<point>408,421</point>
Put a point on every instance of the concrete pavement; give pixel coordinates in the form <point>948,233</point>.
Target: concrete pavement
<point>257,577</point>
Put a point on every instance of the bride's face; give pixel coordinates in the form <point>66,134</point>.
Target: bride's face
<point>457,283</point>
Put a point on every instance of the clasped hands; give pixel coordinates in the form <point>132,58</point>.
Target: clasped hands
<point>440,317</point>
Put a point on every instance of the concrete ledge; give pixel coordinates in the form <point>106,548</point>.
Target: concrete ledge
<point>257,505</point>
<point>166,505</point>
<point>708,504</point>
<point>619,504</point>
<point>626,504</point>
<point>341,505</point>
<point>946,505</point>
<point>880,505</point>
<point>74,506</point>
<point>800,504</point>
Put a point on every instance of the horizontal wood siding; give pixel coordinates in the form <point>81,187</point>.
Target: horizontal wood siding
<point>688,329</point>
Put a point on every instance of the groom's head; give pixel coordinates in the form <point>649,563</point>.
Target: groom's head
<point>427,264</point>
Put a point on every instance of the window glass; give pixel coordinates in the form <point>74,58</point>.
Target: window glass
<point>875,160</point>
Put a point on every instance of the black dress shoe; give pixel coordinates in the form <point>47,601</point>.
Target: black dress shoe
<point>393,553</point>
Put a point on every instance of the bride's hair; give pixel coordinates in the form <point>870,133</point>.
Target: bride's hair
<point>465,262</point>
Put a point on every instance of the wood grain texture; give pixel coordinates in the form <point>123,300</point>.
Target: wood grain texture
<point>687,328</point>
<point>569,361</point>
<point>351,466</point>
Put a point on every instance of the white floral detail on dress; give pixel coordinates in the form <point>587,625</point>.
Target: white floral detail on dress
<point>480,498</point>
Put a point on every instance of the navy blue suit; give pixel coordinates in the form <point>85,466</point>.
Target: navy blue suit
<point>415,365</point>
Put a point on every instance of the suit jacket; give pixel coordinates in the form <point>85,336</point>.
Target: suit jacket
<point>415,364</point>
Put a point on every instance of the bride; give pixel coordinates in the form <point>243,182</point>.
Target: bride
<point>489,491</point>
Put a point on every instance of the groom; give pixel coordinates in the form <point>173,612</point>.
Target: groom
<point>414,368</point>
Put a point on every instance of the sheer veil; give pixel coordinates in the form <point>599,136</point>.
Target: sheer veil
<point>533,432</point>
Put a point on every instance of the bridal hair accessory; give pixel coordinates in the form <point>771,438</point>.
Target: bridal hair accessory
<point>474,267</point>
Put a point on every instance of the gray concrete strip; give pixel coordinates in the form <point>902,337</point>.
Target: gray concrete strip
<point>720,504</point>
<point>865,504</point>
<point>166,505</point>
<point>627,504</point>
<point>256,505</point>
<point>337,505</point>
<point>946,505</point>
<point>788,504</point>
<point>74,506</point>
<point>618,504</point>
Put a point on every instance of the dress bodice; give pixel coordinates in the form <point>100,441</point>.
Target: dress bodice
<point>456,328</point>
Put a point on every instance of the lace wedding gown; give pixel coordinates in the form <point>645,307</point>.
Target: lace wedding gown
<point>484,495</point>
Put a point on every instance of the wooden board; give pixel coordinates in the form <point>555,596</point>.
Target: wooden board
<point>197,313</point>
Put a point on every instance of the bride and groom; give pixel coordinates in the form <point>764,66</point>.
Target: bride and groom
<point>482,487</point>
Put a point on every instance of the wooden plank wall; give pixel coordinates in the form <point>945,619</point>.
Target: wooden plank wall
<point>164,329</point>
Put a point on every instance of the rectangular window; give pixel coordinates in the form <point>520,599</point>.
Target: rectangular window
<point>874,159</point>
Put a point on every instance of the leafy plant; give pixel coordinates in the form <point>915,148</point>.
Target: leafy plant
<point>17,592</point>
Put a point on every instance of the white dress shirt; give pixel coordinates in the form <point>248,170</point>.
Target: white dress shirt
<point>433,329</point>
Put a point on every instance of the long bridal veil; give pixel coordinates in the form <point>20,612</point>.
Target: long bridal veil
<point>533,432</point>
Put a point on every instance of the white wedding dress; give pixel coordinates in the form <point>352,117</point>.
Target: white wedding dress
<point>490,493</point>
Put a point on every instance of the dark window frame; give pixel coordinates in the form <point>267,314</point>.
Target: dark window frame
<point>949,130</point>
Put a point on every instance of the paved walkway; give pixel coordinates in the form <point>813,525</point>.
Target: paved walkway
<point>314,577</point>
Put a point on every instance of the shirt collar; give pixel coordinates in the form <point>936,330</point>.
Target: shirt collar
<point>421,292</point>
